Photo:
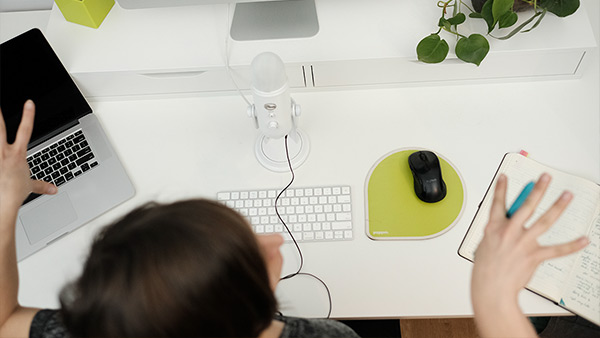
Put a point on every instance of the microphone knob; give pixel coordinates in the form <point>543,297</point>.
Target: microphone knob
<point>297,111</point>
<point>250,111</point>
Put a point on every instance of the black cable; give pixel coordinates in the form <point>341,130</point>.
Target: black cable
<point>298,272</point>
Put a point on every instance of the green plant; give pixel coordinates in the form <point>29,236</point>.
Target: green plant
<point>496,14</point>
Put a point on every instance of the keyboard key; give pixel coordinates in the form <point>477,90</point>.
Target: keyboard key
<point>84,159</point>
<point>343,216</point>
<point>60,181</point>
<point>84,151</point>
<point>343,199</point>
<point>341,225</point>
<point>223,196</point>
<point>78,139</point>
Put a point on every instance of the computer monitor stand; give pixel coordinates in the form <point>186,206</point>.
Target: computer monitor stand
<point>274,20</point>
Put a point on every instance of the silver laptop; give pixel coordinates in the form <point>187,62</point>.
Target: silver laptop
<point>68,146</point>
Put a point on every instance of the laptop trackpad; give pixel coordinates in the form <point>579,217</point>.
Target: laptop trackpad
<point>48,217</point>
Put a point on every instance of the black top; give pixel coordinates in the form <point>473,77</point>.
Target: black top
<point>47,324</point>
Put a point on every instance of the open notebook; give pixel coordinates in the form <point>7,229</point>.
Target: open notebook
<point>572,282</point>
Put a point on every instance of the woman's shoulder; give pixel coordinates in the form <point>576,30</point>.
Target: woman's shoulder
<point>47,324</point>
<point>309,328</point>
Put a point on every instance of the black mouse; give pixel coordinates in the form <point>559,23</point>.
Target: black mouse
<point>427,175</point>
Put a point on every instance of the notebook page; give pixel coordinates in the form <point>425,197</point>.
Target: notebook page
<point>572,224</point>
<point>582,292</point>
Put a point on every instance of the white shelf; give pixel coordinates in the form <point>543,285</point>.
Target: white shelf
<point>372,43</point>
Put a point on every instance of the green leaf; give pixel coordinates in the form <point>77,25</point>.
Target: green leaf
<point>561,8</point>
<point>432,49</point>
<point>500,7</point>
<point>444,23</point>
<point>476,15</point>
<point>486,13</point>
<point>508,19</point>
<point>472,49</point>
<point>457,19</point>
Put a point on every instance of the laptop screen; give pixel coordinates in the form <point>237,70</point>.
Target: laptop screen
<point>29,69</point>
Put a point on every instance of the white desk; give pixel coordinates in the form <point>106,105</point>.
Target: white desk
<point>206,145</point>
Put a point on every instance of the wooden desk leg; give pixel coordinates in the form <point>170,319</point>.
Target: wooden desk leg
<point>438,328</point>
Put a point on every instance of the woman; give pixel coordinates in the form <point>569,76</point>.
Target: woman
<point>191,268</point>
<point>194,268</point>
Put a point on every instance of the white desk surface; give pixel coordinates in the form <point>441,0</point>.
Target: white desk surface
<point>194,147</point>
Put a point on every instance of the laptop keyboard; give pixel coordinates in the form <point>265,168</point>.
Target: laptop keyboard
<point>62,161</point>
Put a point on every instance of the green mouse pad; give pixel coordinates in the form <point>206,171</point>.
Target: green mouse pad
<point>393,209</point>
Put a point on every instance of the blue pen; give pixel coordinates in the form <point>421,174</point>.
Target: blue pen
<point>519,201</point>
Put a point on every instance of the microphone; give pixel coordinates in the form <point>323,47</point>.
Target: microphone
<point>274,113</point>
<point>273,110</point>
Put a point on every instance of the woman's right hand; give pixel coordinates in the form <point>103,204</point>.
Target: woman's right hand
<point>507,257</point>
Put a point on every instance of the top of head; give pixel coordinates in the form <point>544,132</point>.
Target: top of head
<point>268,74</point>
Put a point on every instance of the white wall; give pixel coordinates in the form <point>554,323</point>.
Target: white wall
<point>24,5</point>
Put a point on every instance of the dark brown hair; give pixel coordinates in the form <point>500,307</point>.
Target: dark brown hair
<point>191,268</point>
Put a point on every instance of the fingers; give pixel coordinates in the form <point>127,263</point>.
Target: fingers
<point>547,220</point>
<point>41,187</point>
<point>26,125</point>
<point>498,210</point>
<point>531,203</point>
<point>560,250</point>
<point>2,129</point>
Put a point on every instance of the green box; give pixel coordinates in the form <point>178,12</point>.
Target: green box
<point>89,13</point>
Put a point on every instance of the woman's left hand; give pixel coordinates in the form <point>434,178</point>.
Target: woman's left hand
<point>15,182</point>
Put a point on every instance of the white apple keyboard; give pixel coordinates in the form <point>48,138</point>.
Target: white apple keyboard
<point>316,214</point>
